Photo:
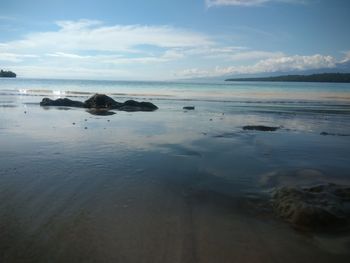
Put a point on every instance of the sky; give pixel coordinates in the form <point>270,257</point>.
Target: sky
<point>168,39</point>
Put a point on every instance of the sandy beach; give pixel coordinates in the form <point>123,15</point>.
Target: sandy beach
<point>171,185</point>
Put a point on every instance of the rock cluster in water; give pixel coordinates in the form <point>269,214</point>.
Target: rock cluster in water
<point>101,101</point>
<point>313,208</point>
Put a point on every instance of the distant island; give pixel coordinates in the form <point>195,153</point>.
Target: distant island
<point>7,74</point>
<point>324,77</point>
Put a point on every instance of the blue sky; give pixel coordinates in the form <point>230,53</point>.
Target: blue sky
<point>160,40</point>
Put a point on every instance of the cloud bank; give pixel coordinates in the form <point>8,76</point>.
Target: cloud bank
<point>93,35</point>
<point>91,49</point>
<point>93,46</point>
<point>211,3</point>
<point>275,64</point>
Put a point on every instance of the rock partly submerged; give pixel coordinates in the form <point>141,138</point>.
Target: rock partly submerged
<point>101,101</point>
<point>132,105</point>
<point>334,134</point>
<point>188,108</point>
<point>61,102</point>
<point>259,128</point>
<point>318,208</point>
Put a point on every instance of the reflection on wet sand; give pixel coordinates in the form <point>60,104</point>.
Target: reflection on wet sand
<point>165,186</point>
<point>144,219</point>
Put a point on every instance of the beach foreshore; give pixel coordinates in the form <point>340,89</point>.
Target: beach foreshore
<point>173,185</point>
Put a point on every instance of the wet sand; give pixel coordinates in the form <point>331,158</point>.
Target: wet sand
<point>141,220</point>
<point>166,186</point>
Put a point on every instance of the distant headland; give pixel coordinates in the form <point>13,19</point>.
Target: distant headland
<point>7,74</point>
<point>324,77</point>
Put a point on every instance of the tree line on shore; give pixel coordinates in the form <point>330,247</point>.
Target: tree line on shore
<point>324,77</point>
<point>7,74</point>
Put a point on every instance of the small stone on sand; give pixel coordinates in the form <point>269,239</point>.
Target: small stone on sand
<point>188,108</point>
<point>259,128</point>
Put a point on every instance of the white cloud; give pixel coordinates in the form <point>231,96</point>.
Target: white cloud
<point>68,25</point>
<point>168,55</point>
<point>346,57</point>
<point>229,53</point>
<point>70,72</point>
<point>126,61</point>
<point>214,50</point>
<point>275,64</point>
<point>294,63</point>
<point>87,35</point>
<point>13,57</point>
<point>211,3</point>
<point>66,55</point>
<point>254,55</point>
<point>173,54</point>
<point>287,63</point>
<point>89,44</point>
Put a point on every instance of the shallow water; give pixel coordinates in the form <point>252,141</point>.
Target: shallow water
<point>218,90</point>
<point>165,186</point>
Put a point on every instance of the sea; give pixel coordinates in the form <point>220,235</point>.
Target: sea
<point>186,90</point>
<point>172,185</point>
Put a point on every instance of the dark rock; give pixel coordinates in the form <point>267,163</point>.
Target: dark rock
<point>333,134</point>
<point>102,101</point>
<point>61,102</point>
<point>132,105</point>
<point>259,128</point>
<point>314,208</point>
<point>188,108</point>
